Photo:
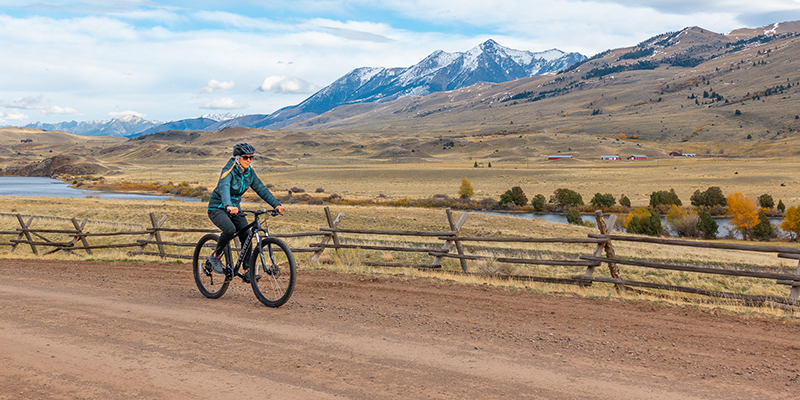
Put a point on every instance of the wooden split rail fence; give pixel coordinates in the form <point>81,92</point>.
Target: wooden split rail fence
<point>440,245</point>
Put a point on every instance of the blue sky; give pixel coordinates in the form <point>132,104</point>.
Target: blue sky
<point>169,60</point>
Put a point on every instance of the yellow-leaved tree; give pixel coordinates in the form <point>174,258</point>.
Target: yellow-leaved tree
<point>744,213</point>
<point>791,222</point>
<point>465,191</point>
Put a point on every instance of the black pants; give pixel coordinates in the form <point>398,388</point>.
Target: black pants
<point>229,225</point>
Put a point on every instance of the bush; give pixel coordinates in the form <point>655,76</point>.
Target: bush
<point>707,225</point>
<point>710,198</point>
<point>683,222</point>
<point>766,201</point>
<point>538,202</point>
<point>643,221</point>
<point>515,195</point>
<point>297,190</point>
<point>603,200</point>
<point>781,207</point>
<point>624,201</point>
<point>664,198</point>
<point>574,217</point>
<point>566,198</point>
<point>319,190</point>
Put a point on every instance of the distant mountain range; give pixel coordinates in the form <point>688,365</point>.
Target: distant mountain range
<point>440,71</point>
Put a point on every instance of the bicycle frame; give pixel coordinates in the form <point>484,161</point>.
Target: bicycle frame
<point>254,228</point>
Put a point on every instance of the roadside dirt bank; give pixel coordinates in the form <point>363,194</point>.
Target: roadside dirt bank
<point>122,330</point>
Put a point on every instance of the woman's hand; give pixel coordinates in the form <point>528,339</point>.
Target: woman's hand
<point>280,209</point>
<point>232,210</point>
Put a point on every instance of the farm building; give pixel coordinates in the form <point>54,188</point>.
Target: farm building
<point>559,157</point>
<point>609,158</point>
<point>637,157</point>
<point>675,154</point>
<point>690,155</point>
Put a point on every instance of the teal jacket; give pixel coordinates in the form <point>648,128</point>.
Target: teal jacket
<point>233,183</point>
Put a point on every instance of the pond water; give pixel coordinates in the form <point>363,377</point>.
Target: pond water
<point>48,187</point>
<point>724,223</point>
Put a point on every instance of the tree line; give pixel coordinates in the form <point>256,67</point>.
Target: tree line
<point>749,217</point>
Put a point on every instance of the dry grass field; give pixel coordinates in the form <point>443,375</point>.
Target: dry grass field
<point>123,215</point>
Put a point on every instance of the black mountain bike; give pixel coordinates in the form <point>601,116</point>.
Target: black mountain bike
<point>269,267</point>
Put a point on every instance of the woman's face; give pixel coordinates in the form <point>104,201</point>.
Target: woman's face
<point>246,160</point>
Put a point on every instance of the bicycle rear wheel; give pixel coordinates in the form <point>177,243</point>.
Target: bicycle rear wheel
<point>274,272</point>
<point>211,284</point>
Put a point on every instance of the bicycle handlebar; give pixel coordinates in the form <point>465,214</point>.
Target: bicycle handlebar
<point>273,212</point>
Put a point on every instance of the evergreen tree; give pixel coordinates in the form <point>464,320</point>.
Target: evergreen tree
<point>781,207</point>
<point>538,202</point>
<point>766,201</point>
<point>625,201</point>
<point>514,195</point>
<point>763,229</point>
<point>707,225</point>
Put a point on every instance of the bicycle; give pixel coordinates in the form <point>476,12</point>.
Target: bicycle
<point>270,268</point>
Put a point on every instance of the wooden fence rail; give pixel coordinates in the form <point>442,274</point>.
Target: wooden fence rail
<point>441,245</point>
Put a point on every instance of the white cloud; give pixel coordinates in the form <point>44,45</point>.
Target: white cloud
<point>217,86</point>
<point>59,110</point>
<point>120,114</point>
<point>286,84</point>
<point>25,103</point>
<point>225,103</point>
<point>13,116</point>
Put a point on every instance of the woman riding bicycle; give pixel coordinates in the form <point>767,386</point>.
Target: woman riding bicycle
<point>223,208</point>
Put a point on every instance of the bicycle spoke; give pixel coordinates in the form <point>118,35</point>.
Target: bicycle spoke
<point>276,267</point>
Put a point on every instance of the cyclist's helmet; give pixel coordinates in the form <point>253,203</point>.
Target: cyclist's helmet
<point>242,149</point>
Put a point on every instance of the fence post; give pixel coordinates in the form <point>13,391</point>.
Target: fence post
<point>437,262</point>
<point>333,224</point>
<point>155,233</point>
<point>26,232</point>
<point>609,248</point>
<point>795,289</point>
<point>79,234</point>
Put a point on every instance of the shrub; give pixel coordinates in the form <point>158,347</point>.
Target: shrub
<point>682,222</point>
<point>319,190</point>
<point>603,200</point>
<point>766,201</point>
<point>781,207</point>
<point>297,190</point>
<point>515,195</point>
<point>566,198</point>
<point>643,221</point>
<point>538,202</point>
<point>624,201</point>
<point>711,197</point>
<point>664,198</point>
<point>574,217</point>
<point>707,225</point>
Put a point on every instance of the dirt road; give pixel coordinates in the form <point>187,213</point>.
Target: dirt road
<point>96,330</point>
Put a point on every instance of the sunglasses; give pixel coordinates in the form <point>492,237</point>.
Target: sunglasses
<point>247,157</point>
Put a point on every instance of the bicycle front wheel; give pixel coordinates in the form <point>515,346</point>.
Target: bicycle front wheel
<point>274,274</point>
<point>211,284</point>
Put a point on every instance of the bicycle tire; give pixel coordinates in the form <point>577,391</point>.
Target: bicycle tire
<point>211,284</point>
<point>273,272</point>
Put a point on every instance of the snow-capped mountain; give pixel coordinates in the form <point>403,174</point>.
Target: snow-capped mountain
<point>440,71</point>
<point>123,126</point>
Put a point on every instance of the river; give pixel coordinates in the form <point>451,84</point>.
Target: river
<point>47,187</point>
